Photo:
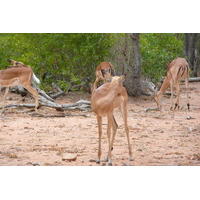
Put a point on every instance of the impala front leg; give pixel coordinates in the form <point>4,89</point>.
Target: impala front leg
<point>4,99</point>
<point>99,120</point>
<point>172,95</point>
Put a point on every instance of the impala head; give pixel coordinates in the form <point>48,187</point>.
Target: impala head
<point>109,78</point>
<point>16,63</point>
<point>20,64</point>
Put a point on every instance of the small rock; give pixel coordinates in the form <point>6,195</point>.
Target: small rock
<point>69,157</point>
<point>92,160</point>
<point>126,164</point>
<point>139,149</point>
<point>189,117</point>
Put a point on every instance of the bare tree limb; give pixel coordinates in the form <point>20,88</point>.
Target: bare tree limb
<point>80,105</point>
<point>60,115</point>
<point>60,92</point>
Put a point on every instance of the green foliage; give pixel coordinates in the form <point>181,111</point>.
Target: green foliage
<point>63,85</point>
<point>62,57</point>
<point>66,58</point>
<point>157,49</point>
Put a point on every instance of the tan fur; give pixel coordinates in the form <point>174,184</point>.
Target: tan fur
<point>103,102</point>
<point>15,76</point>
<point>178,69</point>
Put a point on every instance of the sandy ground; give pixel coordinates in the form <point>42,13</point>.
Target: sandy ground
<point>158,138</point>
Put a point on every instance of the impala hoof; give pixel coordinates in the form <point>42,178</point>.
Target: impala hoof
<point>97,161</point>
<point>131,159</point>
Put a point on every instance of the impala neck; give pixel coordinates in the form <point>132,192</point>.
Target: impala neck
<point>112,92</point>
<point>164,86</point>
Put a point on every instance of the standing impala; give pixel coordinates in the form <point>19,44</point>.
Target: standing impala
<point>15,64</point>
<point>103,102</point>
<point>106,66</point>
<point>178,69</point>
<point>20,64</point>
<point>15,76</point>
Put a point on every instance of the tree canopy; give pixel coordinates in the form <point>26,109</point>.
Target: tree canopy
<point>70,57</point>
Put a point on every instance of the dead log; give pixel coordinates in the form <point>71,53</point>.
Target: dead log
<point>150,86</point>
<point>60,92</point>
<point>42,92</point>
<point>45,95</point>
<point>34,164</point>
<point>80,105</point>
<point>45,102</point>
<point>194,79</point>
<point>60,115</point>
<point>19,90</point>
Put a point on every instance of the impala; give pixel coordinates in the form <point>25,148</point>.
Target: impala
<point>15,64</point>
<point>106,66</point>
<point>178,69</point>
<point>15,76</point>
<point>104,100</point>
<point>20,64</point>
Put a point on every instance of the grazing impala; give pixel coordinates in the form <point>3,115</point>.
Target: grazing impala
<point>103,102</point>
<point>15,76</point>
<point>178,69</point>
<point>106,66</point>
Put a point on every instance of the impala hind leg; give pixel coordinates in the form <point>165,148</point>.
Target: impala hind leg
<point>34,93</point>
<point>177,104</point>
<point>125,116</point>
<point>186,85</point>
<point>4,99</point>
<point>110,121</point>
<point>114,130</point>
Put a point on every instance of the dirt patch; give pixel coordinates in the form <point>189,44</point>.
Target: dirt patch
<point>157,137</point>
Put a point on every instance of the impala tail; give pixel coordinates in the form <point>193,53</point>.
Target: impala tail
<point>35,79</point>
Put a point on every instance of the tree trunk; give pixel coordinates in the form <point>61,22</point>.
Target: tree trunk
<point>134,77</point>
<point>191,51</point>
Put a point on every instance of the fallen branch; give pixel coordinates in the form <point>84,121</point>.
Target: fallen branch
<point>42,93</point>
<point>151,109</point>
<point>45,102</point>
<point>34,164</point>
<point>150,86</point>
<point>60,92</point>
<point>81,105</point>
<point>194,79</point>
<point>45,95</point>
<point>60,115</point>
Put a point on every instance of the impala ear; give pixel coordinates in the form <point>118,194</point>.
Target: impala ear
<point>11,61</point>
<point>122,77</point>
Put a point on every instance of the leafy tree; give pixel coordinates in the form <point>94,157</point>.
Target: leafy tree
<point>157,49</point>
<point>69,57</point>
<point>62,57</point>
